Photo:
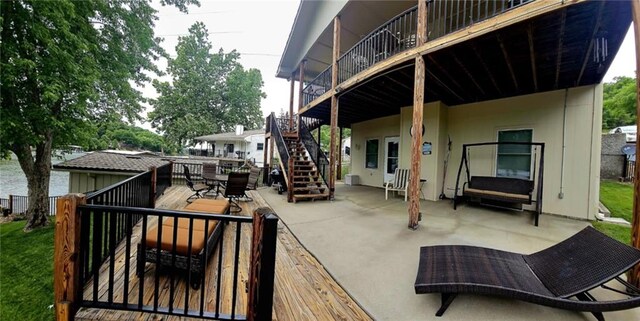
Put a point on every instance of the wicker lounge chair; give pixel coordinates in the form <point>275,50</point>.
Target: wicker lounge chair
<point>197,253</point>
<point>551,277</point>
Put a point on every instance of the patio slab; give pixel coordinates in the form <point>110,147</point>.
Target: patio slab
<point>363,241</point>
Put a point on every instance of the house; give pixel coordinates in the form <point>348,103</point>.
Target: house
<point>240,144</point>
<point>465,72</point>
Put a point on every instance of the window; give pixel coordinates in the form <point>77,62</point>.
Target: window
<point>260,146</point>
<point>514,160</point>
<point>371,153</point>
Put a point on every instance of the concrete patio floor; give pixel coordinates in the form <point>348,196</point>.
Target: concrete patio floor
<point>363,241</point>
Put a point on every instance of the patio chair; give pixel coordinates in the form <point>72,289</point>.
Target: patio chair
<point>177,254</point>
<point>400,183</point>
<point>551,277</point>
<point>252,184</point>
<point>196,188</point>
<point>236,189</point>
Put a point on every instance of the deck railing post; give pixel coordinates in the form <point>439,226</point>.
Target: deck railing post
<point>263,262</point>
<point>153,186</point>
<point>66,263</point>
<point>10,204</point>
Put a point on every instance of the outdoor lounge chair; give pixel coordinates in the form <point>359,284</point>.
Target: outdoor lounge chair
<point>199,189</point>
<point>550,277</point>
<point>252,184</point>
<point>184,258</point>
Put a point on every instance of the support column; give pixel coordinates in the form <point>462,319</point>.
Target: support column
<point>334,106</point>
<point>634,276</point>
<point>292,81</point>
<point>265,162</point>
<point>416,128</point>
<point>339,170</point>
<point>300,89</point>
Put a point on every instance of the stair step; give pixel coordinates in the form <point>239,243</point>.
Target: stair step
<point>311,197</point>
<point>309,189</point>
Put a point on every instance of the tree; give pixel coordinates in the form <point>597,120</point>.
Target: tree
<point>64,65</point>
<point>209,92</point>
<point>619,102</point>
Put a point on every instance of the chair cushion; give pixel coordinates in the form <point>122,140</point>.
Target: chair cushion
<point>182,243</point>
<point>208,206</point>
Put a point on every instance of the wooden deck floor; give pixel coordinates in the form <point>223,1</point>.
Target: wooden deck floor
<point>303,288</point>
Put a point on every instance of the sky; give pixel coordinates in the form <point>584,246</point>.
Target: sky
<point>259,31</point>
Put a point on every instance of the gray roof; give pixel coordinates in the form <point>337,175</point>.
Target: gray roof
<point>101,161</point>
<point>229,136</point>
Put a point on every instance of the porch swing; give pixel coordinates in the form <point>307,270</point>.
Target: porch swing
<point>502,191</point>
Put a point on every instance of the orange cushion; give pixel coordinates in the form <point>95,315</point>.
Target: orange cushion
<point>198,225</point>
<point>208,206</point>
<point>182,244</point>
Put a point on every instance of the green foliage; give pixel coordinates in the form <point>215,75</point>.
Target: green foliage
<point>618,198</point>
<point>209,92</point>
<point>119,135</point>
<point>619,103</point>
<point>26,273</point>
<point>64,66</point>
<point>325,136</point>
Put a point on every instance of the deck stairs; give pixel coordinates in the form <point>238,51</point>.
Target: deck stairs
<point>307,183</point>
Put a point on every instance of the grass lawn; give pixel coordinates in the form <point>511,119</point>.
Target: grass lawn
<point>26,273</point>
<point>618,198</point>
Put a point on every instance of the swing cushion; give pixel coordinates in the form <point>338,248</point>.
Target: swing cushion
<point>500,188</point>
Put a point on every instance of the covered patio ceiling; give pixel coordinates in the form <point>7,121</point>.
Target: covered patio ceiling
<point>558,50</point>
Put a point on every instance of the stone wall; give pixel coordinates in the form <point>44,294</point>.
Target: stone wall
<point>612,160</point>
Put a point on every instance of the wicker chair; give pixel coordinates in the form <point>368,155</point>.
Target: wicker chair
<point>551,277</point>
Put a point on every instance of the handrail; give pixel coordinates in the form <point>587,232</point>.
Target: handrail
<point>317,87</point>
<point>134,191</point>
<point>318,157</point>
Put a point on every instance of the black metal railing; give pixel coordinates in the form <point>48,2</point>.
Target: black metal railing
<point>135,191</point>
<point>396,35</point>
<point>18,204</point>
<point>281,145</point>
<point>317,87</point>
<point>195,171</point>
<point>124,275</point>
<point>312,123</point>
<point>317,155</point>
<point>164,175</point>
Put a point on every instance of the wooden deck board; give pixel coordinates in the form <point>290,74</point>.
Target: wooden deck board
<point>304,290</point>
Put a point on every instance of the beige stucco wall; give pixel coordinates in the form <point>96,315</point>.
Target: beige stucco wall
<point>372,129</point>
<point>82,182</point>
<point>480,122</point>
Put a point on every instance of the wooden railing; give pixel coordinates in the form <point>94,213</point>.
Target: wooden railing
<point>399,34</point>
<point>95,269</point>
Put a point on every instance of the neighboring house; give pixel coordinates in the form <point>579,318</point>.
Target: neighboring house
<point>240,144</point>
<point>97,170</point>
<point>495,71</point>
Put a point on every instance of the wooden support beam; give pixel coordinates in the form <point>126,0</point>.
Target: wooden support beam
<point>418,106</point>
<point>292,81</point>
<point>467,73</point>
<point>587,53</point>
<point>300,89</point>
<point>339,166</point>
<point>66,256</point>
<point>532,54</point>
<point>559,48</point>
<point>334,107</point>
<point>486,69</point>
<point>507,60</point>
<point>634,276</point>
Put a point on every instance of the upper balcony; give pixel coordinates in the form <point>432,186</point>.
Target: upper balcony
<point>475,50</point>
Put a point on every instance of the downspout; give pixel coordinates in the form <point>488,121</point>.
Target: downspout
<point>593,120</point>
<point>564,143</point>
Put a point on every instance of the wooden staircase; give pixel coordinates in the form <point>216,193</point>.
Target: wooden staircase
<point>305,180</point>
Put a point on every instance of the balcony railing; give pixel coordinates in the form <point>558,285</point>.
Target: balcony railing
<point>399,34</point>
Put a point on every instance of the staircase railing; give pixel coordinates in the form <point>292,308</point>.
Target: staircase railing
<point>317,155</point>
<point>281,145</point>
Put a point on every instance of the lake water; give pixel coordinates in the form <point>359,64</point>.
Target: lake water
<point>13,181</point>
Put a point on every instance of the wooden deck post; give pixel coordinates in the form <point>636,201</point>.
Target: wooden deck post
<point>10,203</point>
<point>334,106</point>
<point>265,161</point>
<point>153,188</point>
<point>66,253</point>
<point>418,106</point>
<point>634,277</point>
<point>291,91</point>
<point>263,262</point>
<point>300,94</point>
<point>339,166</point>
